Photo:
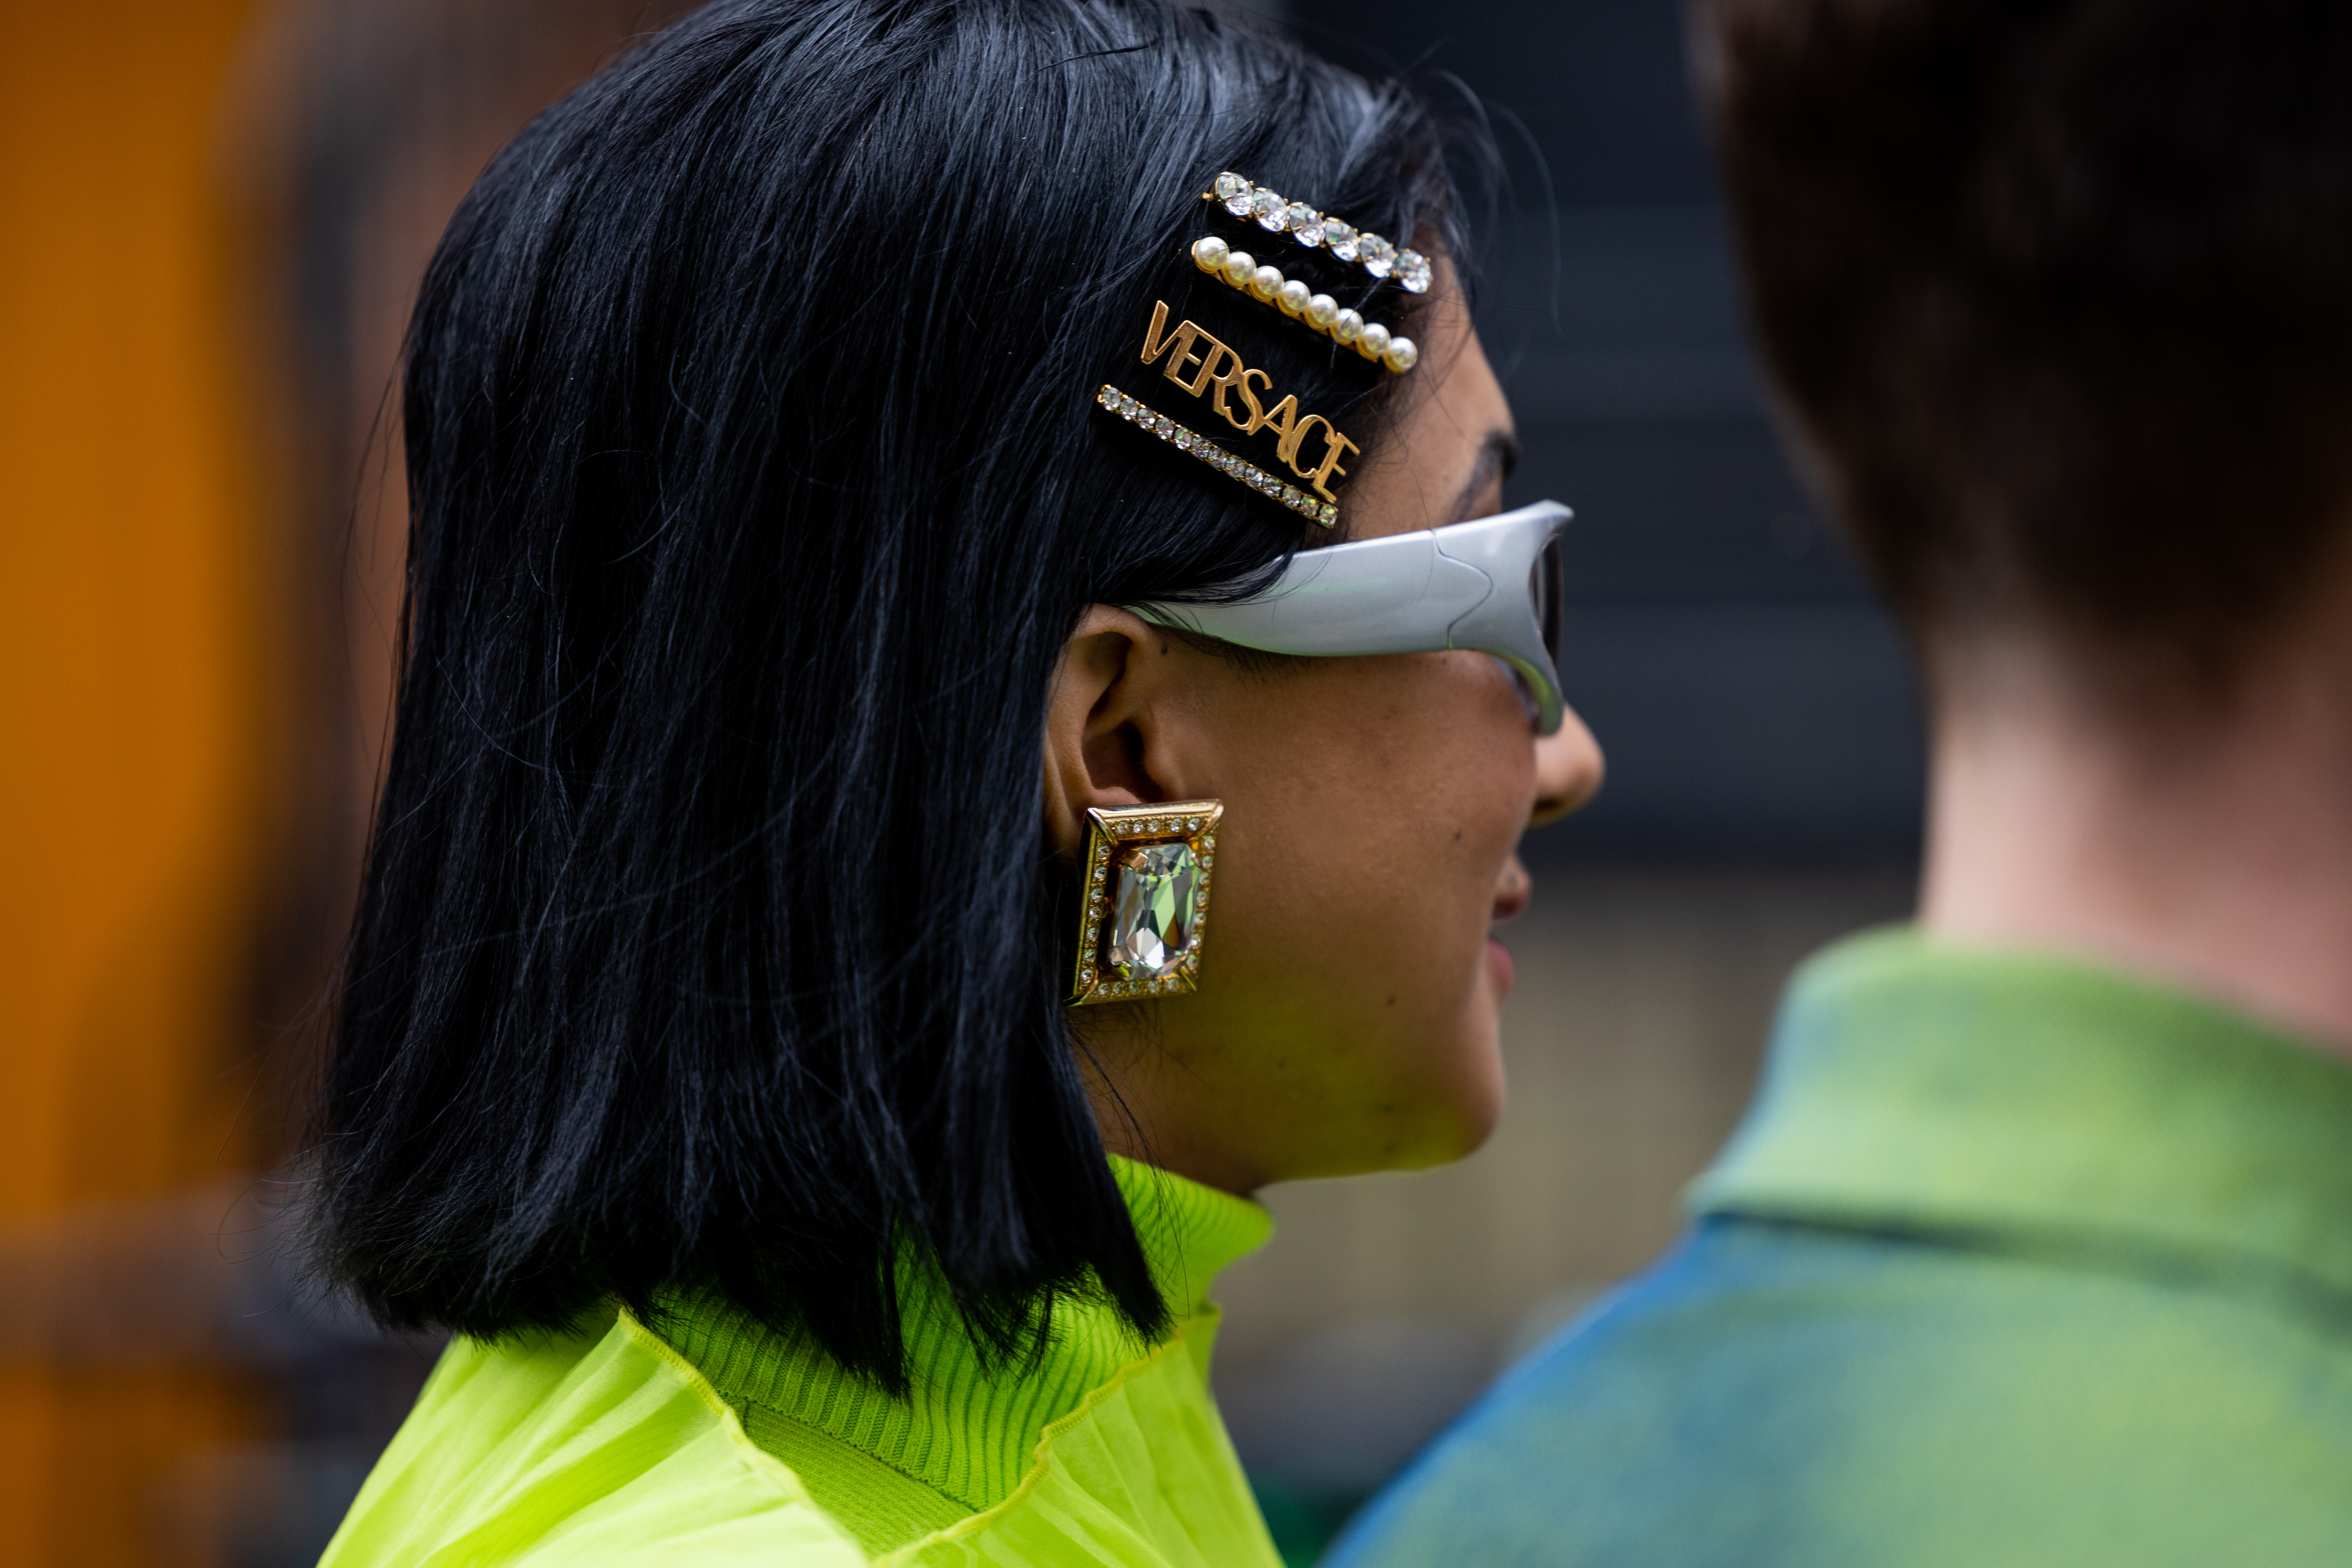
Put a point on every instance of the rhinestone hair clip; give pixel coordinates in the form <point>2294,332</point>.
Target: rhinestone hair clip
<point>1293,298</point>
<point>1339,240</point>
<point>1185,439</point>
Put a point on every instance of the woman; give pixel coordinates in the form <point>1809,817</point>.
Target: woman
<point>856,764</point>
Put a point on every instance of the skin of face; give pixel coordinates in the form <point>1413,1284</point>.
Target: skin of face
<point>1347,1016</point>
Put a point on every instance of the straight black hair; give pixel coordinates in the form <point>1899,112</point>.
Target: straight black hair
<point>707,936</point>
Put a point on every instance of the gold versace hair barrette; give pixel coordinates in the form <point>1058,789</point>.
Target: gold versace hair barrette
<point>1194,362</point>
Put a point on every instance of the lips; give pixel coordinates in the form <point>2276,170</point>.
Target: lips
<point>1513,895</point>
<point>1503,967</point>
<point>1510,898</point>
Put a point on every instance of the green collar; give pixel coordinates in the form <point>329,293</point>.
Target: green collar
<point>1913,1086</point>
<point>964,1431</point>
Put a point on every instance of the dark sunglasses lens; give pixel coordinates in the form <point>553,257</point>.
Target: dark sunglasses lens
<point>1545,583</point>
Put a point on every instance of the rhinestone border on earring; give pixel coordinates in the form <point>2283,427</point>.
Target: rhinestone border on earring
<point>1142,415</point>
<point>1240,271</point>
<point>1409,270</point>
<point>1192,823</point>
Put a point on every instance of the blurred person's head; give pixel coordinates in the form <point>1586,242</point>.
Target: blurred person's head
<point>2057,300</point>
<point>764,653</point>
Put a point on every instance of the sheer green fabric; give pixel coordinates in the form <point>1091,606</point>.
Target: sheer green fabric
<point>725,1443</point>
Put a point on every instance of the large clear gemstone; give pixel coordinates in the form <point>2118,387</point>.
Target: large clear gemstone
<point>1151,908</point>
<point>1376,254</point>
<point>1305,225</point>
<point>1229,185</point>
<point>1340,238</point>
<point>1237,202</point>
<point>1270,210</point>
<point>1412,271</point>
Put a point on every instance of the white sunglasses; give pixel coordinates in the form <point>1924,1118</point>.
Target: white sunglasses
<point>1452,587</point>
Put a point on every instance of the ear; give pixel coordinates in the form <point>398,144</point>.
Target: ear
<point>1095,725</point>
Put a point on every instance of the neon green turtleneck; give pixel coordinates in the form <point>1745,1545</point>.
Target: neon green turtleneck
<point>725,1443</point>
<point>891,1471</point>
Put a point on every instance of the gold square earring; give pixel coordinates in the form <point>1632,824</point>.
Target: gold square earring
<point>1146,900</point>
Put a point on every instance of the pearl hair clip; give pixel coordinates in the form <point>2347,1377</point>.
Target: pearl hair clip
<point>1340,241</point>
<point>1293,298</point>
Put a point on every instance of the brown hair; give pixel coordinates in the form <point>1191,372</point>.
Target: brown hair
<point>2059,293</point>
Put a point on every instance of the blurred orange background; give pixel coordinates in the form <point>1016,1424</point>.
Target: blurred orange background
<point>216,211</point>
<point>139,713</point>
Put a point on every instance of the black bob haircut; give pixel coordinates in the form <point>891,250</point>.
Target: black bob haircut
<point>708,937</point>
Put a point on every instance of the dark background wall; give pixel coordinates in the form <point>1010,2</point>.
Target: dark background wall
<point>1754,705</point>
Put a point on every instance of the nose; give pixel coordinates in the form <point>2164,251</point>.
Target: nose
<point>1569,769</point>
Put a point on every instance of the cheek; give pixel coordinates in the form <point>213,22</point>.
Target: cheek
<point>1453,768</point>
<point>1370,807</point>
<point>1442,795</point>
<point>1413,785</point>
<point>1464,793</point>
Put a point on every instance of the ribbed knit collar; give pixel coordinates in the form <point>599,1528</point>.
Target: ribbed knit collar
<point>965,1431</point>
<point>1189,1233</point>
<point>2023,1098</point>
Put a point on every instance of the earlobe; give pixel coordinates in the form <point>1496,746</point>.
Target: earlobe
<point>1095,726</point>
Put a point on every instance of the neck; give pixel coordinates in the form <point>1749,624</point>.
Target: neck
<point>2210,847</point>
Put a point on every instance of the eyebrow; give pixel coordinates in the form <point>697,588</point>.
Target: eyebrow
<point>1497,456</point>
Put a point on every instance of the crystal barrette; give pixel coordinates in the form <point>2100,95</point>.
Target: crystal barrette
<point>1341,241</point>
<point>1293,298</point>
<point>1138,414</point>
